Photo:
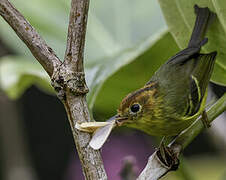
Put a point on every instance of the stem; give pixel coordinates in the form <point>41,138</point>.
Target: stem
<point>76,35</point>
<point>91,161</point>
<point>186,137</point>
<point>155,169</point>
<point>74,93</point>
<point>40,50</point>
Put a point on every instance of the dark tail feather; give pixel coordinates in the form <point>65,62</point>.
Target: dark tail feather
<point>203,20</point>
<point>204,17</point>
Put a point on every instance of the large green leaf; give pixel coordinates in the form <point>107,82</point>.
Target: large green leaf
<point>180,17</point>
<point>114,39</point>
<point>17,74</point>
<point>125,24</point>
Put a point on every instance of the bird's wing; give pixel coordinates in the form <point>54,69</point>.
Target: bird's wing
<point>183,84</point>
<point>184,77</point>
<point>199,80</point>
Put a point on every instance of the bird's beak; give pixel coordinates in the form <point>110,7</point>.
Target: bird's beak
<point>119,120</point>
<point>113,118</point>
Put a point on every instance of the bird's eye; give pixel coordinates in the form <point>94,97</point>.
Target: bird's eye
<point>135,108</point>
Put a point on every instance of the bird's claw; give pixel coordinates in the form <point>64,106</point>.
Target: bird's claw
<point>167,157</point>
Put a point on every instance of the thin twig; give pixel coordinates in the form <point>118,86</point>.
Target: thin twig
<point>155,169</point>
<point>76,35</point>
<point>41,51</point>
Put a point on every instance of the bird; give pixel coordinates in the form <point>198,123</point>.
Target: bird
<point>174,96</point>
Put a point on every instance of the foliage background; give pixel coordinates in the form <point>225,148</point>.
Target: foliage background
<point>126,43</point>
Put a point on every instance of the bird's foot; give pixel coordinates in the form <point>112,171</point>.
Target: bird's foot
<point>167,157</point>
<point>204,119</point>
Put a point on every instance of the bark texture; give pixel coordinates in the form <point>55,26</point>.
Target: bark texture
<point>68,77</point>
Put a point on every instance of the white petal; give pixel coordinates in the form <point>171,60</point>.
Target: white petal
<point>90,126</point>
<point>100,135</point>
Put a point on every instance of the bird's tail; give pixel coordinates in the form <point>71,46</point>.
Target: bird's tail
<point>203,20</point>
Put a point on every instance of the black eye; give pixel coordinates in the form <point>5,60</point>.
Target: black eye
<point>135,108</point>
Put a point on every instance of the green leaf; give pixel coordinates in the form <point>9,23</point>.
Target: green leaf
<point>180,17</point>
<point>113,40</point>
<point>133,76</point>
<point>18,73</point>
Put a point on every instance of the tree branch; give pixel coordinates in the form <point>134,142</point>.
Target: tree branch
<point>68,78</point>
<point>69,82</point>
<point>155,169</point>
<point>41,51</point>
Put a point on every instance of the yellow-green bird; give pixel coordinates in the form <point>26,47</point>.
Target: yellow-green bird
<point>175,95</point>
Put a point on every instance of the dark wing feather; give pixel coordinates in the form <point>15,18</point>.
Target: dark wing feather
<point>204,69</point>
<point>183,86</point>
<point>199,80</point>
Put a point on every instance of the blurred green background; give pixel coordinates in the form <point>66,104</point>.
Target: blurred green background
<point>126,43</point>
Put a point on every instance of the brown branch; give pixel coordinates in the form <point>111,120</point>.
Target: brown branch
<point>91,161</point>
<point>41,51</point>
<point>69,81</point>
<point>76,35</point>
<point>68,78</point>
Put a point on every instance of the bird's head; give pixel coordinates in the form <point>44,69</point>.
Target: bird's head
<point>137,105</point>
<point>134,111</point>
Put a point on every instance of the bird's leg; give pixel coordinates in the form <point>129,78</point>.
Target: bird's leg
<point>163,149</point>
<point>166,156</point>
<point>204,119</point>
